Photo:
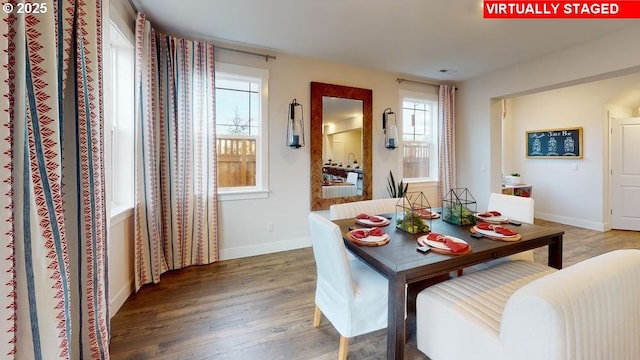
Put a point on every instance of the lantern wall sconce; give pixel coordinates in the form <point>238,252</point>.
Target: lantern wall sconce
<point>390,128</point>
<point>295,126</point>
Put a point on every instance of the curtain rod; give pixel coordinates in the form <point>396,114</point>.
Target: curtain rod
<point>265,56</point>
<point>432,83</point>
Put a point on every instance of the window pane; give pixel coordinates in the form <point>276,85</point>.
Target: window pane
<point>417,117</point>
<point>238,125</point>
<point>121,120</point>
<point>233,84</point>
<point>418,138</point>
<point>236,161</point>
<point>416,156</point>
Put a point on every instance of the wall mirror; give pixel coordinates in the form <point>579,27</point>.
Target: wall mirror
<point>341,130</point>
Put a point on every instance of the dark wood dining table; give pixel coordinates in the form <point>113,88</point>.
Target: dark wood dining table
<point>401,264</point>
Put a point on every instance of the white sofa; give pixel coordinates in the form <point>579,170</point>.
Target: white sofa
<point>522,310</point>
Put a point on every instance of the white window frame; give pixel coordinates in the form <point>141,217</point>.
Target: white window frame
<point>433,165</point>
<point>261,189</point>
<point>120,123</point>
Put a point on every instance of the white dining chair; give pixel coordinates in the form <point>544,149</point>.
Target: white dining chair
<point>350,294</point>
<point>514,207</point>
<point>517,208</point>
<point>352,178</point>
<point>371,207</point>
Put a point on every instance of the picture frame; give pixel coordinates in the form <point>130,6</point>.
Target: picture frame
<point>560,143</point>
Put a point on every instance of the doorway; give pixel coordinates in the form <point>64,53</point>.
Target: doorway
<point>625,173</point>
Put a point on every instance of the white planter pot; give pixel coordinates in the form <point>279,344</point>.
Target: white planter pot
<point>512,180</point>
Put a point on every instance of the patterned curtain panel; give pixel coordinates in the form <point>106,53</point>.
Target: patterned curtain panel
<point>54,299</point>
<point>7,249</point>
<point>446,140</point>
<point>176,200</point>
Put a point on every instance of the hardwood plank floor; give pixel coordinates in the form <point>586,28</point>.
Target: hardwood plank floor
<point>262,308</point>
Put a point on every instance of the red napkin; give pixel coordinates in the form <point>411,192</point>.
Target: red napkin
<point>490,214</point>
<point>372,218</point>
<point>435,237</point>
<point>497,228</point>
<point>484,226</point>
<point>504,231</point>
<point>364,233</point>
<point>359,234</point>
<point>454,246</point>
<point>424,212</point>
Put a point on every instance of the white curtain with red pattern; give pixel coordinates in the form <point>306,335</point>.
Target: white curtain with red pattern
<point>54,297</point>
<point>446,139</point>
<point>176,199</point>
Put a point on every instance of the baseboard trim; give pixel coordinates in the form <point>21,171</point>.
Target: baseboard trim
<point>591,225</point>
<point>265,248</point>
<point>122,296</point>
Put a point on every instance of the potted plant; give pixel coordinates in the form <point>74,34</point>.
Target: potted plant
<point>396,190</point>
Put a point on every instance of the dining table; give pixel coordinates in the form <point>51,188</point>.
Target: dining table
<point>401,264</point>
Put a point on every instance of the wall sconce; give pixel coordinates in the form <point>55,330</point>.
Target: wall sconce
<point>295,126</point>
<point>390,127</point>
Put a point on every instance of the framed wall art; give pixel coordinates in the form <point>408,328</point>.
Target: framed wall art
<point>565,143</point>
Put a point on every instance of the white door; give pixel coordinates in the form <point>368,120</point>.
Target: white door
<point>625,174</point>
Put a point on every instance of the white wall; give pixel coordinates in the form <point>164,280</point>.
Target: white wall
<point>120,245</point>
<point>243,223</point>
<point>478,127</point>
<point>570,191</point>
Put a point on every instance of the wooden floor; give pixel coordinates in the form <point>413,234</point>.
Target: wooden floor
<point>262,308</point>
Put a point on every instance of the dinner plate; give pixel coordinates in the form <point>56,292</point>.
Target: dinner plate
<point>367,222</point>
<point>427,214</point>
<point>493,234</point>
<point>374,239</point>
<point>493,219</point>
<point>422,240</point>
<point>369,240</point>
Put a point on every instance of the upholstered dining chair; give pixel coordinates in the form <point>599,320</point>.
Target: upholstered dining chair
<point>371,207</point>
<point>516,208</point>
<point>352,178</point>
<point>350,294</point>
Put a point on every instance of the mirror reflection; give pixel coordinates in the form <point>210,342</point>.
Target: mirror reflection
<point>341,140</point>
<point>341,147</point>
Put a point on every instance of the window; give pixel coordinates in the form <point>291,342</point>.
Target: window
<point>120,122</point>
<point>420,136</point>
<point>241,131</point>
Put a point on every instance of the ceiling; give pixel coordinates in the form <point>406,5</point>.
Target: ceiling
<point>407,37</point>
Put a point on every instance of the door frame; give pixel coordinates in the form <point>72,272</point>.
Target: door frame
<point>609,174</point>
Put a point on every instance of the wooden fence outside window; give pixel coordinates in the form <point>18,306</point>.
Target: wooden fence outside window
<point>236,161</point>
<point>416,156</point>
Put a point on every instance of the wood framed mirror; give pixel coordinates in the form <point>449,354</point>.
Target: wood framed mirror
<point>341,141</point>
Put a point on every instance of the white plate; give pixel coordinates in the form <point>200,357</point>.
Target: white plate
<point>493,219</point>
<point>422,240</point>
<point>427,214</point>
<point>374,239</point>
<point>368,222</point>
<point>491,233</point>
<point>371,238</point>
